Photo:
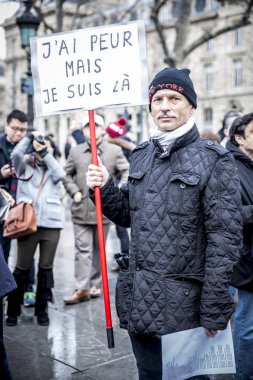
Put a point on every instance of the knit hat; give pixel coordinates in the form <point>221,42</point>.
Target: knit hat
<point>117,128</point>
<point>176,80</point>
<point>99,120</point>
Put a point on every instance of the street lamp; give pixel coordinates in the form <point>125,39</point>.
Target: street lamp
<point>28,24</point>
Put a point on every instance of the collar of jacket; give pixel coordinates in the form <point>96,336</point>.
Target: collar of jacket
<point>182,141</point>
<point>100,147</point>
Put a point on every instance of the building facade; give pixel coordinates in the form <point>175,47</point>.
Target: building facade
<point>220,68</point>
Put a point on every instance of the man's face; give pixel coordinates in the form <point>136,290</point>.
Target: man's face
<point>170,110</point>
<point>16,130</point>
<point>98,132</point>
<point>246,142</point>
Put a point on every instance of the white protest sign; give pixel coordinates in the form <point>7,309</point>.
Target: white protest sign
<point>90,68</point>
<point>192,353</point>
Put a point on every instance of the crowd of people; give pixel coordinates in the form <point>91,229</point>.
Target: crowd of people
<point>186,198</point>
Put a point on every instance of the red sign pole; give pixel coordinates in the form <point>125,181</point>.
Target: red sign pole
<point>101,239</point>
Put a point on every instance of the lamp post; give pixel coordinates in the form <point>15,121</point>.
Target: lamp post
<point>28,24</point>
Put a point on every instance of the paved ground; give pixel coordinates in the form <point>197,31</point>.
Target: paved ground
<point>74,345</point>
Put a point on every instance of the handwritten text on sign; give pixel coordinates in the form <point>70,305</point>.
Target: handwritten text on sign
<point>90,68</point>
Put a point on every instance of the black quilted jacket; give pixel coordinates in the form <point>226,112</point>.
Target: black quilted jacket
<point>184,210</point>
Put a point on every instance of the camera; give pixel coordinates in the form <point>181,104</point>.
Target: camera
<point>40,139</point>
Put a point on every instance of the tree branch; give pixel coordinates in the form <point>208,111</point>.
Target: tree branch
<point>43,21</point>
<point>210,35</point>
<point>129,10</point>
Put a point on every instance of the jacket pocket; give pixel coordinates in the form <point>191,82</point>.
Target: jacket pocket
<point>54,209</point>
<point>123,296</point>
<point>190,179</point>
<point>182,305</point>
<point>186,193</point>
<point>136,189</point>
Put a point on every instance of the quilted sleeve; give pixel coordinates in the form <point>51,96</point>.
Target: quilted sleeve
<point>223,227</point>
<point>115,205</point>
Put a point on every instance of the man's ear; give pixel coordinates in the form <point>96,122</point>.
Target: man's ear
<point>192,110</point>
<point>239,139</point>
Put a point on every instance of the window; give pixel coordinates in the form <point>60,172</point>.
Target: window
<point>214,5</point>
<point>175,8</point>
<point>144,14</point>
<point>13,46</point>
<point>209,45</point>
<point>46,126</point>
<point>200,5</point>
<point>165,14</point>
<point>208,76</point>
<point>133,16</point>
<point>208,117</point>
<point>238,72</point>
<point>68,122</point>
<point>1,71</point>
<point>238,37</point>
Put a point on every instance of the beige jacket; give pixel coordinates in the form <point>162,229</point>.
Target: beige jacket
<point>112,156</point>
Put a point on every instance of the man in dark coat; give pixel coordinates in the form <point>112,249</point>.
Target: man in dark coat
<point>182,202</point>
<point>15,130</point>
<point>241,146</point>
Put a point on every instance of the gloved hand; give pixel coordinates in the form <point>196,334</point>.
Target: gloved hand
<point>122,260</point>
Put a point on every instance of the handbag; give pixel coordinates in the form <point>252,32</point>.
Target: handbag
<point>242,276</point>
<point>21,220</point>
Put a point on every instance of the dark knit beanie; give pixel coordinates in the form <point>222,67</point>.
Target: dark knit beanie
<point>176,80</point>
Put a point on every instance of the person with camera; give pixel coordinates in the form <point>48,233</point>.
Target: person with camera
<point>34,157</point>
<point>15,130</point>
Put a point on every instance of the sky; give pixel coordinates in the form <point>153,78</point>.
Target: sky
<point>7,9</point>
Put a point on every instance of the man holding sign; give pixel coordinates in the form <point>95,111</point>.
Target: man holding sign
<point>183,205</point>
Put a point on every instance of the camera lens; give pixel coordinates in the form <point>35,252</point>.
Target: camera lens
<point>40,139</point>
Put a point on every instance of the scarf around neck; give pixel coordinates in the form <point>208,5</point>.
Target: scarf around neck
<point>165,139</point>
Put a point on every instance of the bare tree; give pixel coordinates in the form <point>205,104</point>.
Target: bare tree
<point>181,49</point>
<point>103,12</point>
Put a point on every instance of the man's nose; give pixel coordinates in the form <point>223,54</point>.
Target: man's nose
<point>165,104</point>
